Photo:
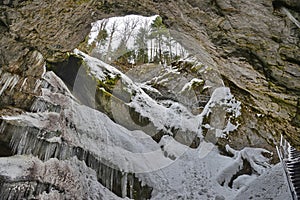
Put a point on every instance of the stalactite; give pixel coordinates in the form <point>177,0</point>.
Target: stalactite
<point>124,184</point>
<point>30,140</point>
<point>23,84</point>
<point>8,80</point>
<point>37,85</point>
<point>41,105</point>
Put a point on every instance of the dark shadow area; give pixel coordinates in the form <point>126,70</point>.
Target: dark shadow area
<point>73,73</point>
<point>247,169</point>
<point>5,149</point>
<point>292,4</point>
<point>67,70</point>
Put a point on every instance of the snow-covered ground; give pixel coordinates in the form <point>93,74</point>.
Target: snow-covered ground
<point>270,185</point>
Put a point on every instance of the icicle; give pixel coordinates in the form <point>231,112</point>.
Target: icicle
<point>23,84</point>
<point>26,149</point>
<point>130,182</point>
<point>111,179</point>
<point>6,79</point>
<point>14,82</point>
<point>22,144</point>
<point>37,85</point>
<point>9,80</point>
<point>31,140</point>
<point>124,185</point>
<point>49,151</point>
<point>57,151</point>
<point>2,126</point>
<point>14,142</point>
<point>38,106</point>
<point>106,176</point>
<point>32,146</point>
<point>44,70</point>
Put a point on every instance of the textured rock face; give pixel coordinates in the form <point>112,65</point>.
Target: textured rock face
<point>250,46</point>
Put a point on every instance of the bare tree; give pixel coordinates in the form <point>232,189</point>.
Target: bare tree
<point>122,52</point>
<point>130,26</point>
<point>111,35</point>
<point>100,39</point>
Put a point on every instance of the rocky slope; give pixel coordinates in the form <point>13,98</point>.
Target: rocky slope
<point>251,47</point>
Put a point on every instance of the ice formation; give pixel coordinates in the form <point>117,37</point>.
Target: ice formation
<point>7,81</point>
<point>27,177</point>
<point>166,116</point>
<point>70,150</point>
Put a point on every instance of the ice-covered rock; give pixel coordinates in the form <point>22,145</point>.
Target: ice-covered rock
<point>132,107</point>
<point>27,177</point>
<point>80,140</point>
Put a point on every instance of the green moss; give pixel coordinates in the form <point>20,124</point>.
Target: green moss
<point>196,68</point>
<point>109,83</point>
<point>196,85</point>
<point>84,47</point>
<point>104,101</point>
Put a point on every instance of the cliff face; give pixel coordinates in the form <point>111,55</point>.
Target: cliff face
<point>252,47</point>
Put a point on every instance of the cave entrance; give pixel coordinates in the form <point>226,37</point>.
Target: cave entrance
<point>67,70</point>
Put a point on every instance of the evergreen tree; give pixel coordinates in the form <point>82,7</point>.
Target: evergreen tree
<point>158,30</point>
<point>141,42</point>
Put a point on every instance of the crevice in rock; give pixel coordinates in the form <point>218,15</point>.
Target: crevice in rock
<point>245,170</point>
<point>73,73</point>
<point>3,26</point>
<point>6,133</point>
<point>292,60</point>
<point>293,5</point>
<point>296,119</point>
<point>277,4</point>
<point>138,118</point>
<point>253,59</point>
<point>235,89</point>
